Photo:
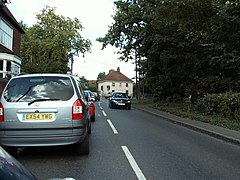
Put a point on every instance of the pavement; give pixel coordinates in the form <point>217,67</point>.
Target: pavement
<point>215,131</point>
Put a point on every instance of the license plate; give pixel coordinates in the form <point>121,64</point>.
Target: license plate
<point>121,104</point>
<point>38,116</point>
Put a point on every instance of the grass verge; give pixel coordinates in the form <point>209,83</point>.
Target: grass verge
<point>181,111</point>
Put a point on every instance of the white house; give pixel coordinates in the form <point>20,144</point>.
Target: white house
<point>115,81</point>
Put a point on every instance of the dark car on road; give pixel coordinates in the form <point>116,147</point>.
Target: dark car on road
<point>119,100</point>
<point>44,110</point>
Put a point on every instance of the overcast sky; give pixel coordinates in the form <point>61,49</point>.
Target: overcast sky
<point>95,16</point>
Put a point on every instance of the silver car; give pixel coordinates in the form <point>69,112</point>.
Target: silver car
<point>44,110</point>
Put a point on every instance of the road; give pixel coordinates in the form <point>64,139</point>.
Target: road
<point>131,144</point>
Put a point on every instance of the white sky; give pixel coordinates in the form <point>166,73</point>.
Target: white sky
<point>95,16</point>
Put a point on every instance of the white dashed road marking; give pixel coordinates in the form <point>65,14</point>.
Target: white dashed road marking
<point>133,163</point>
<point>104,113</point>
<point>129,156</point>
<point>112,126</point>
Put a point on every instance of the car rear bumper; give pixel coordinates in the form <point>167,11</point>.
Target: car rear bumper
<point>41,141</point>
<point>121,105</point>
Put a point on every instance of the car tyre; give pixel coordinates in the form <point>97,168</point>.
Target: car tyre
<point>83,148</point>
<point>90,129</point>
<point>112,106</point>
<point>93,118</point>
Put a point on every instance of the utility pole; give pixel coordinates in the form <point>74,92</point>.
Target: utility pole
<point>72,64</point>
<point>137,78</point>
<point>136,75</point>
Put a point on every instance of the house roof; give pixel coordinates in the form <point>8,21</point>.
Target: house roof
<point>115,76</point>
<point>8,15</point>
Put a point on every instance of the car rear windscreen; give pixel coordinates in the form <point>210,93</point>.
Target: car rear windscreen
<point>27,89</point>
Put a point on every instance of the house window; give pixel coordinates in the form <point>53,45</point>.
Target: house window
<point>126,84</point>
<point>120,84</point>
<point>101,88</point>
<point>1,64</point>
<point>8,65</point>
<point>6,34</point>
<point>113,84</point>
<point>108,88</point>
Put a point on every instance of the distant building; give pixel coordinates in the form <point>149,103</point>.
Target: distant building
<point>10,40</point>
<point>115,81</point>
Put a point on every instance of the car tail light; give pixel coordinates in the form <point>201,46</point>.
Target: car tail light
<point>1,112</point>
<point>77,110</point>
<point>91,108</point>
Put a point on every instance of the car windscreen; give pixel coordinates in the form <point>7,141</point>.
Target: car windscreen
<point>28,89</point>
<point>120,95</point>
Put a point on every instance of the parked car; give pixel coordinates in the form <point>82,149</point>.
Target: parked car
<point>119,99</point>
<point>10,168</point>
<point>44,110</point>
<point>91,104</point>
<point>96,96</point>
<point>92,111</point>
<point>89,95</point>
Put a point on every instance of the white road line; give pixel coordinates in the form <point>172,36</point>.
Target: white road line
<point>104,113</point>
<point>112,126</point>
<point>99,104</point>
<point>133,163</point>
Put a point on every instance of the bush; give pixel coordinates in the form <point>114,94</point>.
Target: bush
<point>224,104</point>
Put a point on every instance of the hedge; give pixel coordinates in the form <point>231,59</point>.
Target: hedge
<point>224,104</point>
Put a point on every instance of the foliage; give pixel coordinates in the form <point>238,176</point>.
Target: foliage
<point>184,47</point>
<point>92,87</point>
<point>100,76</point>
<point>48,45</point>
<point>225,104</point>
<point>180,109</point>
<point>84,82</point>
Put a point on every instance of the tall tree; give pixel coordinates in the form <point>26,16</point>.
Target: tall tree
<point>189,47</point>
<point>49,44</point>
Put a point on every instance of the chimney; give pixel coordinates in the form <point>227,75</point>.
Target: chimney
<point>118,69</point>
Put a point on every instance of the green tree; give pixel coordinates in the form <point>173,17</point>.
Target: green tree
<point>100,76</point>
<point>84,82</point>
<point>93,87</point>
<point>183,47</point>
<point>49,44</point>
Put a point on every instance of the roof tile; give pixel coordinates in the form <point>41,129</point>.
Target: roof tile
<point>115,76</point>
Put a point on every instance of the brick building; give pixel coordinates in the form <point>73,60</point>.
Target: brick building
<point>10,40</point>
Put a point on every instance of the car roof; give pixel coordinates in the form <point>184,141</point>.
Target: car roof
<point>42,74</point>
<point>118,92</point>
